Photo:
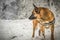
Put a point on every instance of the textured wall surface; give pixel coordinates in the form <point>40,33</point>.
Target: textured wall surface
<point>8,9</point>
<point>20,9</point>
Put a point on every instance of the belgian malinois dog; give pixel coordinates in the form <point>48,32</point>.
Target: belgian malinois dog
<point>44,17</point>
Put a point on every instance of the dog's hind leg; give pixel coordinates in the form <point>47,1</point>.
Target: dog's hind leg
<point>43,30</point>
<point>39,32</point>
<point>52,31</point>
<point>52,28</point>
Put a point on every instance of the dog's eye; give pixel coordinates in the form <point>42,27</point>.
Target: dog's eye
<point>37,11</point>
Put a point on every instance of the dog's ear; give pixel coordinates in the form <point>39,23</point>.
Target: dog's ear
<point>36,9</point>
<point>34,6</point>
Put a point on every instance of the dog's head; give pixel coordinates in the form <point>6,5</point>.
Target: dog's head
<point>35,13</point>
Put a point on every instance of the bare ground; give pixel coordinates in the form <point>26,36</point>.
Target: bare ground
<point>22,30</point>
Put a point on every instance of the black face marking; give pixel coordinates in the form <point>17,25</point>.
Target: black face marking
<point>32,17</point>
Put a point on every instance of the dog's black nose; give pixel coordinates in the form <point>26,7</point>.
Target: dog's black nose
<point>32,17</point>
<point>29,17</point>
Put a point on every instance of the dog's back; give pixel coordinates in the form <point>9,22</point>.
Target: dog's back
<point>45,14</point>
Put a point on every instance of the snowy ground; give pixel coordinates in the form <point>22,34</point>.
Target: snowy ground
<point>22,30</point>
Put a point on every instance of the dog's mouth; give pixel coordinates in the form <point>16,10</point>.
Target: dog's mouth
<point>32,17</point>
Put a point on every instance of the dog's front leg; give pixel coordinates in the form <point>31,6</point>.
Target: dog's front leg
<point>35,22</point>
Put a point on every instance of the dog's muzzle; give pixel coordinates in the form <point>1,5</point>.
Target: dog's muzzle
<point>32,17</point>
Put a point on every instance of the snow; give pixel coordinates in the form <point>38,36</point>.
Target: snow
<point>22,30</point>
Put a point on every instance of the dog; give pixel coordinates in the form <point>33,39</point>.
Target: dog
<point>44,17</point>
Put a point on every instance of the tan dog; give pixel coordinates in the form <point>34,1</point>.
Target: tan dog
<point>43,16</point>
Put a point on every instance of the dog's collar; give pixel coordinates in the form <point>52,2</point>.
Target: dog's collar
<point>42,22</point>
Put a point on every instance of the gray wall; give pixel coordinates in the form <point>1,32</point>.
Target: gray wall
<point>20,9</point>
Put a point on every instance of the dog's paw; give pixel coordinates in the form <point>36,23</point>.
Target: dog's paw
<point>33,38</point>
